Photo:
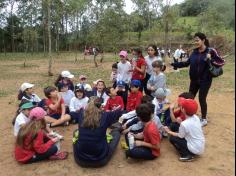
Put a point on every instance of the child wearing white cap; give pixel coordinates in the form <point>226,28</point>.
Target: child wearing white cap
<point>66,78</point>
<point>27,92</point>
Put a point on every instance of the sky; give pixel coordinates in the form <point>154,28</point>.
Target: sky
<point>129,5</point>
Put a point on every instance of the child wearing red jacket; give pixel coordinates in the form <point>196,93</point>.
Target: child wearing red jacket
<point>33,144</point>
<point>114,102</point>
<point>134,98</point>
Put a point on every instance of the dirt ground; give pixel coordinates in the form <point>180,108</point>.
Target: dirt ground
<point>218,159</point>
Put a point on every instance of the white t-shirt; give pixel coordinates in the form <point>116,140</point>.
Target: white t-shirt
<point>86,86</point>
<point>191,130</point>
<point>178,53</point>
<point>67,96</point>
<point>76,104</point>
<point>149,62</point>
<point>157,105</point>
<point>21,119</point>
<point>123,72</point>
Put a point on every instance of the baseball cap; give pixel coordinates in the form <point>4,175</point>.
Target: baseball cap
<point>120,83</point>
<point>189,105</point>
<point>25,86</point>
<point>161,92</point>
<point>123,53</point>
<point>82,77</point>
<point>135,83</point>
<point>67,74</point>
<point>27,106</point>
<point>37,113</point>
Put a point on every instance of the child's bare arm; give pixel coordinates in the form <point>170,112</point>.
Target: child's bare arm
<point>172,116</point>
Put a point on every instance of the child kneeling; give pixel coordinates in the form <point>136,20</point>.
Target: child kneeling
<point>148,144</point>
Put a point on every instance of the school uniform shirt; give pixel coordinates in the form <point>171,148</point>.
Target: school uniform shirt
<point>113,76</point>
<point>21,119</point>
<point>113,103</point>
<point>32,98</point>
<point>149,60</point>
<point>136,74</point>
<point>157,104</point>
<point>179,113</point>
<point>57,111</point>
<point>134,99</point>
<point>67,96</point>
<point>25,153</point>
<point>92,144</point>
<point>158,81</point>
<point>105,97</point>
<point>151,135</point>
<point>76,104</point>
<point>124,73</point>
<point>191,130</point>
<point>86,86</point>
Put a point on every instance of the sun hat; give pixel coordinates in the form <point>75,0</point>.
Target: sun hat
<point>123,53</point>
<point>189,105</point>
<point>25,86</point>
<point>135,83</point>
<point>161,92</point>
<point>82,77</point>
<point>67,74</point>
<point>27,105</point>
<point>120,83</point>
<point>37,113</point>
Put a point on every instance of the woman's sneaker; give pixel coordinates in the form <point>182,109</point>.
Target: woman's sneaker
<point>203,122</point>
<point>186,158</point>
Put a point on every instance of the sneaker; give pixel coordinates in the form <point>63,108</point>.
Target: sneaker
<point>203,122</point>
<point>59,156</point>
<point>186,158</point>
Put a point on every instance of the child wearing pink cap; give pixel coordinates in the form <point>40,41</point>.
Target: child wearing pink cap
<point>33,143</point>
<point>189,140</point>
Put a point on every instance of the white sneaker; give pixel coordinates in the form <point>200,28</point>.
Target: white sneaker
<point>203,122</point>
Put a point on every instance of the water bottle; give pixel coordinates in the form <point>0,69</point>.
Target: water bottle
<point>131,141</point>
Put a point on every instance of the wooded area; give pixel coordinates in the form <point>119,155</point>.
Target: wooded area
<point>67,25</point>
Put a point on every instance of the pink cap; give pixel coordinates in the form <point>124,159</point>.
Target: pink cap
<point>37,113</point>
<point>123,53</point>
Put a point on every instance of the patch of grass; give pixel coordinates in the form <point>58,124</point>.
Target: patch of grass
<point>3,93</point>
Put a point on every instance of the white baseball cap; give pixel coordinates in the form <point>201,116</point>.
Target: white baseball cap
<point>67,74</point>
<point>161,92</point>
<point>25,86</point>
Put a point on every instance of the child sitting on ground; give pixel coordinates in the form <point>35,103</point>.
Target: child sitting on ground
<point>100,92</point>
<point>56,107</point>
<point>78,103</point>
<point>66,94</point>
<point>114,102</point>
<point>189,141</point>
<point>122,92</point>
<point>148,144</point>
<point>134,97</point>
<point>66,78</point>
<point>27,92</point>
<point>162,105</point>
<point>177,116</point>
<point>83,83</point>
<point>114,74</point>
<point>33,144</point>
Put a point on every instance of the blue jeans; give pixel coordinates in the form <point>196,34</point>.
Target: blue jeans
<point>112,146</point>
<point>43,156</point>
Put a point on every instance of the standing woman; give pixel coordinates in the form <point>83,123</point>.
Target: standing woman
<point>92,149</point>
<point>149,59</point>
<point>200,77</point>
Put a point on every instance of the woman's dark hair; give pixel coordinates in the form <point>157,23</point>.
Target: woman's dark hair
<point>144,112</point>
<point>59,78</point>
<point>159,64</point>
<point>48,90</point>
<point>202,37</point>
<point>79,90</point>
<point>155,49</point>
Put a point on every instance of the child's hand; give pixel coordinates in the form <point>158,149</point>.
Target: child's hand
<point>172,105</point>
<point>56,139</point>
<point>138,135</point>
<point>138,143</point>
<point>152,88</point>
<point>124,126</point>
<point>125,131</point>
<point>116,108</point>
<point>166,129</point>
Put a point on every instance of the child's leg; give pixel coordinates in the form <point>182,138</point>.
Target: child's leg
<point>140,153</point>
<point>56,122</point>
<point>181,146</point>
<point>39,157</point>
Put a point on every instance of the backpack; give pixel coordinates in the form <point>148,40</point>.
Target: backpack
<point>215,63</point>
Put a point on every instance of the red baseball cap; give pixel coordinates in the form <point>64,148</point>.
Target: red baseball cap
<point>189,105</point>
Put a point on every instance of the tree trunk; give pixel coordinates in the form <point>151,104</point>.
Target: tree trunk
<point>12,29</point>
<point>49,38</point>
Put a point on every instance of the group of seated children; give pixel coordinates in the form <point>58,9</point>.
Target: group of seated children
<point>143,119</point>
